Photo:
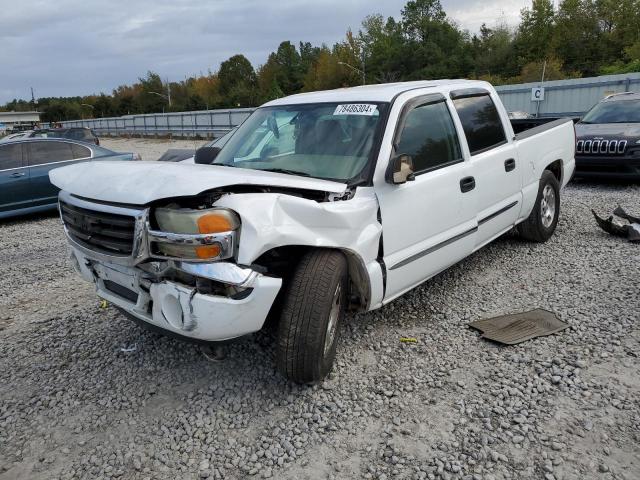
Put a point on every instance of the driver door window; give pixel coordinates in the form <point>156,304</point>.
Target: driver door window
<point>429,137</point>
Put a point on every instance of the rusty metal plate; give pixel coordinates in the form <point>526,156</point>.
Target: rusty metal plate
<point>519,327</point>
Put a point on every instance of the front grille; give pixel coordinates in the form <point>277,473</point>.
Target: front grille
<point>100,231</point>
<point>601,147</point>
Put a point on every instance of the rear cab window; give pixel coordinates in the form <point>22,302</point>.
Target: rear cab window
<point>480,120</point>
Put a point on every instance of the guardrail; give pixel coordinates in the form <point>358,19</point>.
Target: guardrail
<point>203,123</point>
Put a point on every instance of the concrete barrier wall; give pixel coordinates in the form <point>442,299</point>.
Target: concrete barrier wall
<point>205,123</point>
<point>562,98</point>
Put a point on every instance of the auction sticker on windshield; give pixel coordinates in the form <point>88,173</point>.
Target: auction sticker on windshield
<point>355,109</point>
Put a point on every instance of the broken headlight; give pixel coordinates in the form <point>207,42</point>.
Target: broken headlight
<point>207,234</point>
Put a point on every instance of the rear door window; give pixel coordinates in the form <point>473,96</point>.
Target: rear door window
<point>429,137</point>
<point>49,152</point>
<point>481,122</point>
<point>11,156</point>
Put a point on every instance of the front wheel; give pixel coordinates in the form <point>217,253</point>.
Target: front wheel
<point>313,308</point>
<point>542,221</point>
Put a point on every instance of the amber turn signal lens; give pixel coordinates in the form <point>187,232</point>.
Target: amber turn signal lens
<point>214,223</point>
<point>208,251</point>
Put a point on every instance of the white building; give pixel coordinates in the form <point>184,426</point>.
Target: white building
<point>9,120</point>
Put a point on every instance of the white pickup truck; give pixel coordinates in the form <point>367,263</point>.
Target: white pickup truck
<point>318,203</point>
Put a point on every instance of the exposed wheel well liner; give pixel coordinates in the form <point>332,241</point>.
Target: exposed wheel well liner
<point>357,270</point>
<point>556,169</point>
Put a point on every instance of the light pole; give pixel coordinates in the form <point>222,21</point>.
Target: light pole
<point>361,72</point>
<point>87,105</point>
<point>166,97</point>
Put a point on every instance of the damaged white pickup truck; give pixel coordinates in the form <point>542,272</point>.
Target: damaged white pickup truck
<point>318,203</point>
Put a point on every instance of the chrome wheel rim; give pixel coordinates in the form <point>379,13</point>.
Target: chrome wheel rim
<point>548,206</point>
<point>334,315</point>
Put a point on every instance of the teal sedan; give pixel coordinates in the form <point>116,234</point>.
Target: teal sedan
<point>25,165</point>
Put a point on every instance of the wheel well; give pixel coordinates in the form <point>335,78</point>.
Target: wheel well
<point>281,261</point>
<point>556,169</point>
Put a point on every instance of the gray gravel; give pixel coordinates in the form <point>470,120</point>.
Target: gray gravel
<point>452,406</point>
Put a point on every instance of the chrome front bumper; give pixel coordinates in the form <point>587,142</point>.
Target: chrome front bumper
<point>179,308</point>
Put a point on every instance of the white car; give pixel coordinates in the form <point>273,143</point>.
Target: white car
<point>16,136</point>
<point>319,203</point>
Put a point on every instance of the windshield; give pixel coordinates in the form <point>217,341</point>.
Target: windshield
<point>329,140</point>
<point>621,111</point>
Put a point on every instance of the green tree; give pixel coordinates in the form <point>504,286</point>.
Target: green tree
<point>533,40</point>
<point>237,82</point>
<point>152,102</point>
<point>493,55</point>
<point>577,39</point>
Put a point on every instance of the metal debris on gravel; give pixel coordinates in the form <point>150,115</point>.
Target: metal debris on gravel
<point>448,407</point>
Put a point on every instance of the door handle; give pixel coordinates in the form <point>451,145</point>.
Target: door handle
<point>467,184</point>
<point>509,164</point>
<point>17,174</point>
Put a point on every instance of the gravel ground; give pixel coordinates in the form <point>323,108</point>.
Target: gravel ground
<point>451,406</point>
<point>148,148</point>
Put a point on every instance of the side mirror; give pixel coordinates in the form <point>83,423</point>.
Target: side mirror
<point>401,169</point>
<point>206,155</point>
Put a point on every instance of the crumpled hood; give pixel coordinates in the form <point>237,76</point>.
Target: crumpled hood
<point>138,183</point>
<point>619,130</point>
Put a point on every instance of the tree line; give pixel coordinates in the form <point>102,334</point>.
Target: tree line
<point>578,38</point>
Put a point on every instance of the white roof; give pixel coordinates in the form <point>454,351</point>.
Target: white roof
<point>383,92</point>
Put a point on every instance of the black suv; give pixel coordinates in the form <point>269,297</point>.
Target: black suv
<point>74,133</point>
<point>608,138</point>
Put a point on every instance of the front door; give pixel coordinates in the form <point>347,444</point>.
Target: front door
<point>428,223</point>
<point>14,179</point>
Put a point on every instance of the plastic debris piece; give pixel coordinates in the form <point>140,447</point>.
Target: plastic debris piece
<point>619,212</point>
<point>103,304</point>
<point>408,340</point>
<point>130,348</point>
<point>613,227</point>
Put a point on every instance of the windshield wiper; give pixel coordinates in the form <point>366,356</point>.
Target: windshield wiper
<point>284,170</point>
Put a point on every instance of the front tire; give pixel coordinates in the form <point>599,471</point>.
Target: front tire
<point>542,221</point>
<point>312,311</point>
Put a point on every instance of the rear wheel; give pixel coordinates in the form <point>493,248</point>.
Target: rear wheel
<point>542,221</point>
<point>313,308</point>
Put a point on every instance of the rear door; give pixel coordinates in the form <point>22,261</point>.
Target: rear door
<point>44,156</point>
<point>493,162</point>
<point>14,178</point>
<point>428,223</point>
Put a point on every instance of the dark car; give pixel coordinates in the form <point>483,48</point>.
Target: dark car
<point>25,166</point>
<point>81,134</point>
<point>608,139</point>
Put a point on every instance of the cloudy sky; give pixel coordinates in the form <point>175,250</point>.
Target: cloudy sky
<point>79,47</point>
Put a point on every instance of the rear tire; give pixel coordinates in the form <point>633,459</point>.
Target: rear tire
<point>542,221</point>
<point>312,311</point>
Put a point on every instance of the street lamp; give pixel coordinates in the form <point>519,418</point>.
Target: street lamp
<point>167,98</point>
<point>361,72</point>
<point>87,105</point>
